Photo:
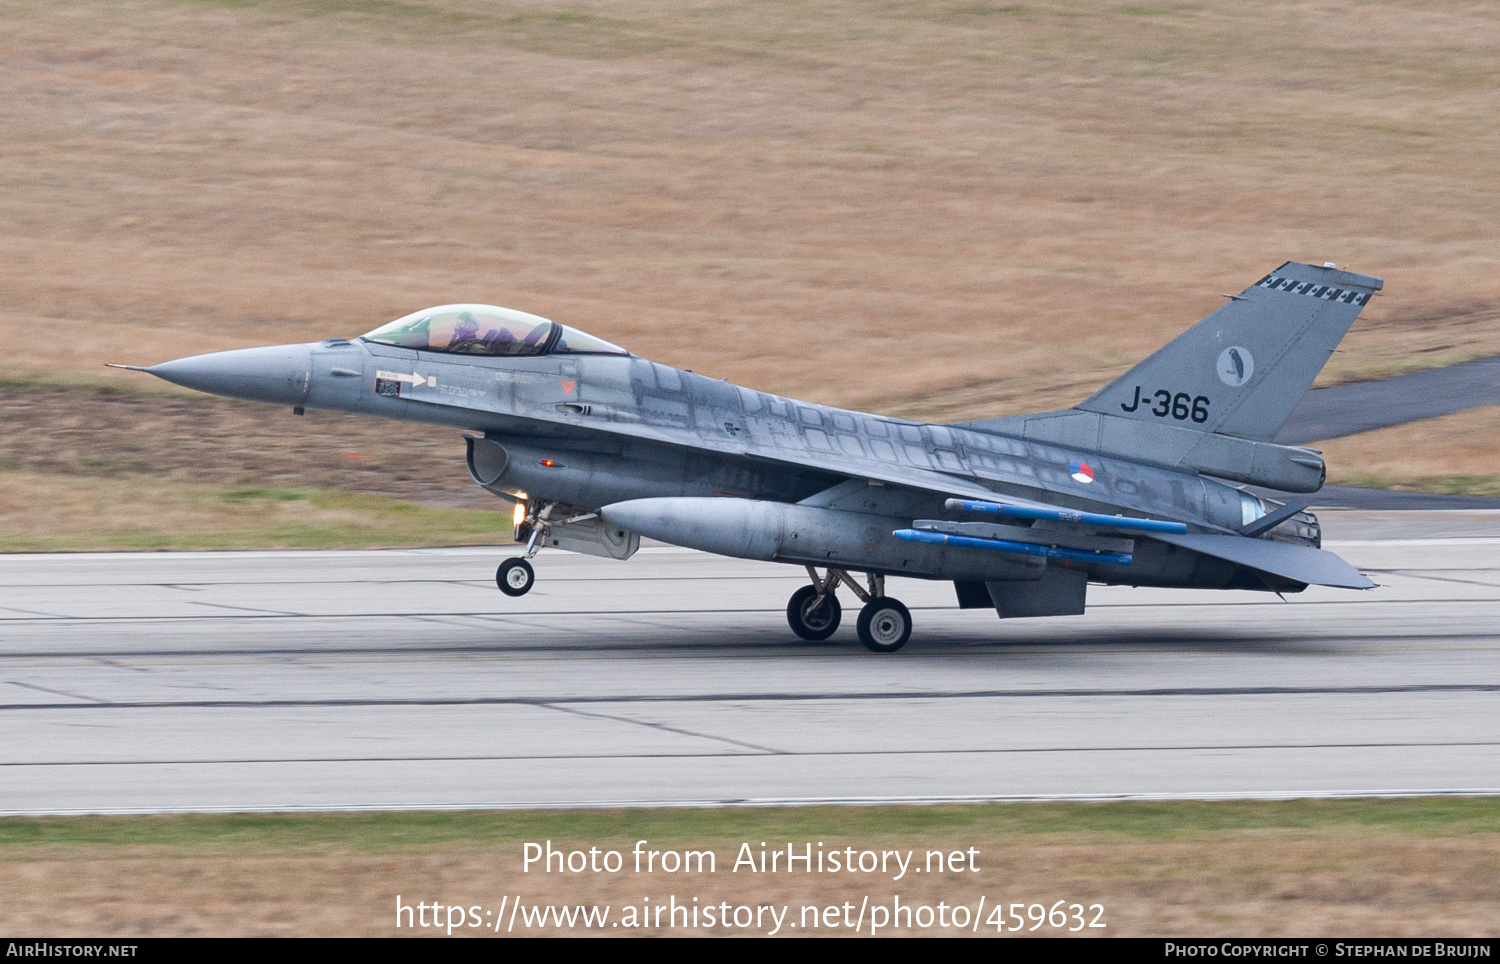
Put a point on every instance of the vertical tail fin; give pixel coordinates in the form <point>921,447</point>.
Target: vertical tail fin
<point>1241,370</point>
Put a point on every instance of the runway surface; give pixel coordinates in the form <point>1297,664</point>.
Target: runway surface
<point>400,679</point>
<point>1362,407</point>
<point>1351,497</point>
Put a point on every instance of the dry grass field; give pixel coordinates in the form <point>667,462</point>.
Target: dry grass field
<point>1299,869</point>
<point>938,209</point>
<point>85,468</point>
<point>1457,453</point>
<point>47,513</point>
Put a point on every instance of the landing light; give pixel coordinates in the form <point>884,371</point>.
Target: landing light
<point>520,514</point>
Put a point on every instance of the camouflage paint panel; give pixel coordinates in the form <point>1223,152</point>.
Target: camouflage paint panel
<point>632,397</point>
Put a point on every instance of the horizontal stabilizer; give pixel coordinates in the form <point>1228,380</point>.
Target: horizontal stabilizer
<point>1123,523</point>
<point>1299,563</point>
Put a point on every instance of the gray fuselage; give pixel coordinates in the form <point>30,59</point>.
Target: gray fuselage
<point>590,430</point>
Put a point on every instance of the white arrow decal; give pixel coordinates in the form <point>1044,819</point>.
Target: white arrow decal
<point>417,381</point>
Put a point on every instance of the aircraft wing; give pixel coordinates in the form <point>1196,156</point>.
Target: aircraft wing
<point>1300,563</point>
<point>939,483</point>
<point>836,463</point>
<point>791,451</point>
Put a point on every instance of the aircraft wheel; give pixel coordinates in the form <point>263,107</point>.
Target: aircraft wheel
<point>884,625</point>
<point>515,577</point>
<point>813,624</point>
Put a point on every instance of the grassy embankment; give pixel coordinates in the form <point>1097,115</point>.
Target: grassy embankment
<point>1401,866</point>
<point>41,513</point>
<point>1455,454</point>
<point>84,468</point>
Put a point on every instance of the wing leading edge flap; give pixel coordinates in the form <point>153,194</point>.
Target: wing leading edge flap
<point>1315,567</point>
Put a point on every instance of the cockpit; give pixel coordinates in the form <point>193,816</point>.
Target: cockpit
<point>487,330</point>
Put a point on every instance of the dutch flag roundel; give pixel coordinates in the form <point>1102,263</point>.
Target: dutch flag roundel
<point>1081,472</point>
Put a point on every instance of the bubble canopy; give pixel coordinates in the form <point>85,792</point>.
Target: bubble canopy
<point>487,330</point>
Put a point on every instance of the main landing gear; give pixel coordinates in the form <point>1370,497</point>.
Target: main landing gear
<point>515,577</point>
<point>813,612</point>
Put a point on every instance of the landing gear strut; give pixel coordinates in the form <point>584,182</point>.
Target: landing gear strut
<point>515,576</point>
<point>884,624</point>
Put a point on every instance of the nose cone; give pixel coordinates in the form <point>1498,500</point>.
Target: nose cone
<point>280,374</point>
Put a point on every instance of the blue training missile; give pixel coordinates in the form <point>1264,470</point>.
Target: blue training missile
<point>1047,513</point>
<point>1006,545</point>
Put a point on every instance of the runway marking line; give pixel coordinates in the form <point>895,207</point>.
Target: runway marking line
<point>680,613</point>
<point>570,701</point>
<point>52,692</point>
<point>835,651</point>
<point>759,753</point>
<point>779,649</point>
<point>771,802</point>
<point>562,707</point>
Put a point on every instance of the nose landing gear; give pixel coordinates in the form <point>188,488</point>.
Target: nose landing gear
<point>813,612</point>
<point>515,576</point>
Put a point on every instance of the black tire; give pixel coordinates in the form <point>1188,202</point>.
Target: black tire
<point>515,577</point>
<point>884,625</point>
<point>813,626</point>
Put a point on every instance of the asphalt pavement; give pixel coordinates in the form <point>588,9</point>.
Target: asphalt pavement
<point>404,679</point>
<point>1327,413</point>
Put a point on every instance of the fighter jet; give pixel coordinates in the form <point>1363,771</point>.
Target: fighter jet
<point>1140,484</point>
